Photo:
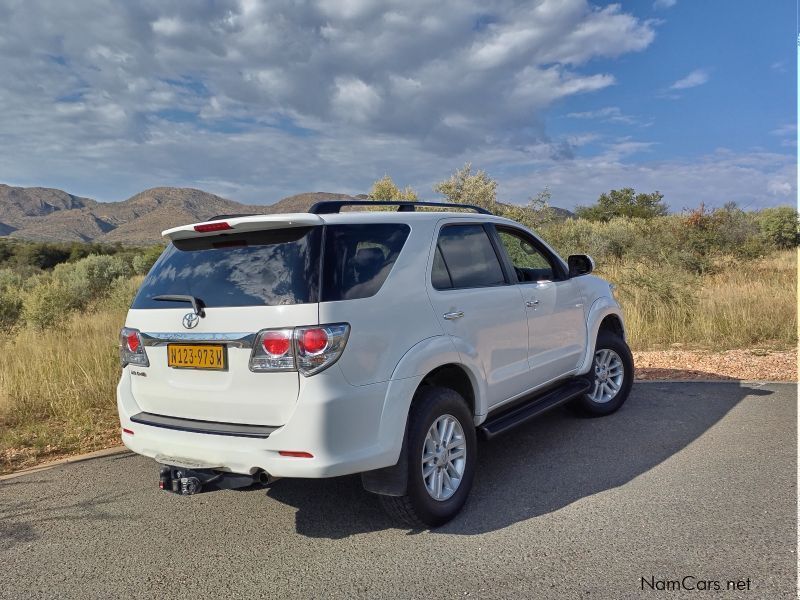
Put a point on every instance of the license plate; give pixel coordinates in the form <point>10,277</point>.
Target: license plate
<point>201,356</point>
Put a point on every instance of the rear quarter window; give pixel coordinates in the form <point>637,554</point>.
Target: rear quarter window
<point>358,258</point>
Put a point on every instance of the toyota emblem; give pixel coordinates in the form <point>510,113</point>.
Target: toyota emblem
<point>190,320</point>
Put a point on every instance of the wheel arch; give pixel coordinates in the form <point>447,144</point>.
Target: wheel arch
<point>604,315</point>
<point>431,362</point>
<point>612,323</point>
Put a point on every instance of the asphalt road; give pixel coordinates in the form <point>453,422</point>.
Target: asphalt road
<point>694,479</point>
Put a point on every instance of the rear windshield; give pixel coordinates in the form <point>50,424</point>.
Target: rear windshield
<point>276,267</point>
<point>259,268</point>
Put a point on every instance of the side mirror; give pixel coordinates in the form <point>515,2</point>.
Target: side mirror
<point>580,264</point>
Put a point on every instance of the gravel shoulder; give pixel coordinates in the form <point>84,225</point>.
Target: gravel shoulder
<point>745,365</point>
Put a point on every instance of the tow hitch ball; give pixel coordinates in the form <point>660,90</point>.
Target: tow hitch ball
<point>187,482</point>
<point>178,481</point>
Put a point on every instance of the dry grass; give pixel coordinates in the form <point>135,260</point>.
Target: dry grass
<point>742,304</point>
<point>57,387</point>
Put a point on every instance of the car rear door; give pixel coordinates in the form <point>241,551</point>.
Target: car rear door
<point>479,308</point>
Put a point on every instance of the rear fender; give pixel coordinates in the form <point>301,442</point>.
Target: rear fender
<point>421,359</point>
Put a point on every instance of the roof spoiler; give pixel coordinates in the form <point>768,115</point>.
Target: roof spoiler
<point>328,207</point>
<point>241,223</point>
<point>232,216</point>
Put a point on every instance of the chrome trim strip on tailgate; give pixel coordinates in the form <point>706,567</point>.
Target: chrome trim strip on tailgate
<point>209,427</point>
<point>233,340</point>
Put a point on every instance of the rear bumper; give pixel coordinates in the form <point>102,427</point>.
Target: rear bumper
<point>348,429</point>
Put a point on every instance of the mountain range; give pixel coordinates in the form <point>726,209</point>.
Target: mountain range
<point>46,214</point>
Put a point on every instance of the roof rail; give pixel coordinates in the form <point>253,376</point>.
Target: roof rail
<point>232,216</point>
<point>327,207</point>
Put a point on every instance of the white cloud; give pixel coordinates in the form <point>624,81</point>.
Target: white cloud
<point>258,100</point>
<point>786,129</point>
<point>611,114</point>
<point>92,87</point>
<point>753,180</point>
<point>663,4</point>
<point>354,100</point>
<point>693,79</point>
<point>779,187</point>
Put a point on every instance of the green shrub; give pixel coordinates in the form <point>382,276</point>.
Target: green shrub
<point>47,304</point>
<point>10,298</point>
<point>120,294</point>
<point>780,226</point>
<point>143,262</point>
<point>91,277</point>
<point>10,308</point>
<point>624,203</point>
<point>42,256</point>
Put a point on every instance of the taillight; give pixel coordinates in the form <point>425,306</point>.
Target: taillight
<point>132,341</point>
<point>131,349</point>
<point>308,350</point>
<point>276,343</point>
<point>313,341</point>
<point>273,351</point>
<point>207,227</point>
<point>320,346</point>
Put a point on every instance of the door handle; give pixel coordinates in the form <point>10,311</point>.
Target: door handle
<point>452,316</point>
<point>531,303</point>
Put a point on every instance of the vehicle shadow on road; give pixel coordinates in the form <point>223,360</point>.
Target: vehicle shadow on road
<point>540,467</point>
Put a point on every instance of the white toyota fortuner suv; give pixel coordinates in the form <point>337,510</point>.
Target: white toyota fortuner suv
<point>382,343</point>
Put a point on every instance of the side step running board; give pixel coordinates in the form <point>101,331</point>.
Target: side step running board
<point>530,409</point>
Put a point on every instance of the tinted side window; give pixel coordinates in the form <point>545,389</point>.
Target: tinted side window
<point>469,256</point>
<point>358,259</point>
<point>440,278</point>
<point>259,268</point>
<point>529,262</point>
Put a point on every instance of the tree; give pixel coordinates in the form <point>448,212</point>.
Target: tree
<point>539,207</point>
<point>385,189</point>
<point>466,187</point>
<point>780,226</point>
<point>624,203</point>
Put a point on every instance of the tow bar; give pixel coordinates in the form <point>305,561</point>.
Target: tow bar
<point>187,482</point>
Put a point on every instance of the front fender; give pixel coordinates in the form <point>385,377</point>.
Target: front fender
<point>600,309</point>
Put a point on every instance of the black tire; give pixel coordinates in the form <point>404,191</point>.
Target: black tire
<point>417,508</point>
<point>585,404</point>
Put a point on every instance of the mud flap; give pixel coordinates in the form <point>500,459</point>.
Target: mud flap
<point>389,481</point>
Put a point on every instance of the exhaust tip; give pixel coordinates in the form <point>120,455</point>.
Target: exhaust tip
<point>264,478</point>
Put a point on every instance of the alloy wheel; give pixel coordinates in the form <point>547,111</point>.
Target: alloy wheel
<point>444,457</point>
<point>609,373</point>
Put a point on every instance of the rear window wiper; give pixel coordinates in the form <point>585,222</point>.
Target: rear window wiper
<point>197,304</point>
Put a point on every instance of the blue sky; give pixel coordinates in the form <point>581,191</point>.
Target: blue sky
<point>743,56</point>
<point>256,101</point>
